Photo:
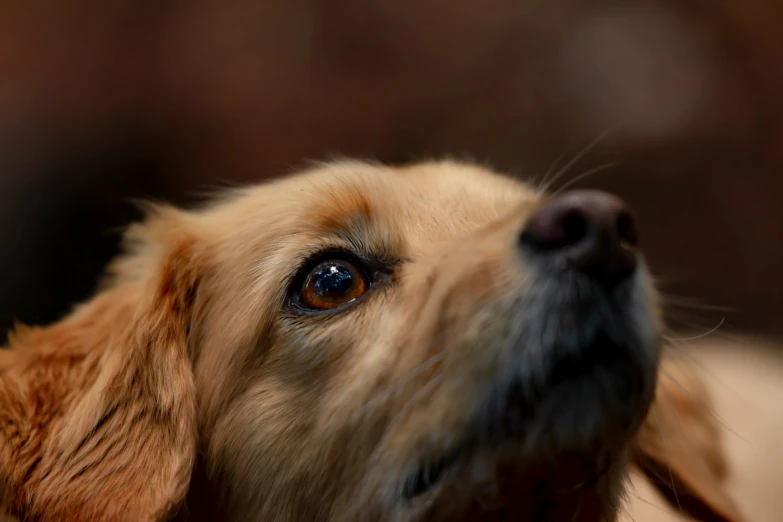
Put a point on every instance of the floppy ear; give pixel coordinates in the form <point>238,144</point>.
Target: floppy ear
<point>98,412</point>
<point>679,448</point>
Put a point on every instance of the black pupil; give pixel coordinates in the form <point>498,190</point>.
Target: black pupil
<point>332,281</point>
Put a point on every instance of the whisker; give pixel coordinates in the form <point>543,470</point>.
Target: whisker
<point>711,410</point>
<point>617,507</point>
<point>585,174</point>
<point>703,368</point>
<point>541,186</point>
<point>679,301</point>
<point>671,474</point>
<point>590,146</point>
<point>700,336</point>
<point>650,503</point>
<point>680,321</point>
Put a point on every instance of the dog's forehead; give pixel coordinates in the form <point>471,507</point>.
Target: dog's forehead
<point>425,203</point>
<point>462,195</point>
<point>395,210</point>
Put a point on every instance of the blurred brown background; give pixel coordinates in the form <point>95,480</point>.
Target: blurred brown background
<point>105,101</point>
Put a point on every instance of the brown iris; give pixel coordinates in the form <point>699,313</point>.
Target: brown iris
<point>332,284</point>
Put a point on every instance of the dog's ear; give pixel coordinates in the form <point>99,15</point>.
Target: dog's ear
<point>679,448</point>
<point>98,412</point>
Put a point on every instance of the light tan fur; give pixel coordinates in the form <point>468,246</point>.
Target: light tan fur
<point>728,438</point>
<point>682,446</point>
<point>183,387</point>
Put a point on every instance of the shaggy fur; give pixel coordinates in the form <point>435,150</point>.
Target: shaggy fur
<point>189,387</point>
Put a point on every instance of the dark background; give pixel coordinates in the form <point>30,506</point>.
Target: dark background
<point>105,101</point>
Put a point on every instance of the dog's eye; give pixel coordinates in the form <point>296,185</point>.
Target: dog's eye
<point>331,284</point>
<point>423,480</point>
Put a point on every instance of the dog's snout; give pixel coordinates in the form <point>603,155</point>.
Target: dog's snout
<point>590,230</point>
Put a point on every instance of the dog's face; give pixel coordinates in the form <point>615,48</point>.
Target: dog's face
<point>358,343</point>
<point>376,344</point>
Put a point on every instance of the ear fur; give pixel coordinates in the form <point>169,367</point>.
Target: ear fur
<point>679,448</point>
<point>98,412</point>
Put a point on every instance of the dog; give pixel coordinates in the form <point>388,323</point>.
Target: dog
<point>352,343</point>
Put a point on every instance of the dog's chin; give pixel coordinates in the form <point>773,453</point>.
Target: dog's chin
<point>593,400</point>
<point>507,485</point>
<point>588,401</point>
<point>567,431</point>
<point>584,373</point>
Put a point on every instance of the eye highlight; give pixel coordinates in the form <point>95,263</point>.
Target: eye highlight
<point>331,284</point>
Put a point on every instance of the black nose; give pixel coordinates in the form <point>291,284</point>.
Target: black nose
<point>590,230</point>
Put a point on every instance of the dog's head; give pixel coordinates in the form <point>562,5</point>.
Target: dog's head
<point>353,343</point>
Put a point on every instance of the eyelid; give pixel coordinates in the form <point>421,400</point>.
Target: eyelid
<point>369,263</point>
<point>321,256</point>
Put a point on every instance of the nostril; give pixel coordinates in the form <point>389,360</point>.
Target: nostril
<point>575,228</point>
<point>626,229</point>
<point>557,227</point>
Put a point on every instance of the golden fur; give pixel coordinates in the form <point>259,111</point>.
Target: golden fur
<point>184,389</point>
<point>735,382</point>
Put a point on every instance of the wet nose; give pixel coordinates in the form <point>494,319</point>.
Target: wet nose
<point>592,231</point>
